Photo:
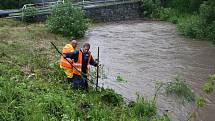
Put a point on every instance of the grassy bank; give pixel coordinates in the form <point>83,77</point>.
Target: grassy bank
<point>32,87</point>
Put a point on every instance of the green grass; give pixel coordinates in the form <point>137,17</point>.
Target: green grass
<point>33,87</point>
<point>145,108</point>
<point>180,89</point>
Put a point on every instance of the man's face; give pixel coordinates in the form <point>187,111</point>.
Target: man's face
<point>86,49</point>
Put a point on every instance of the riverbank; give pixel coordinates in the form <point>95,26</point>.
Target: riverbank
<point>33,87</point>
<point>194,18</point>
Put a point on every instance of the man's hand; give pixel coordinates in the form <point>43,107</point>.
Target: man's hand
<point>96,60</point>
<point>97,65</point>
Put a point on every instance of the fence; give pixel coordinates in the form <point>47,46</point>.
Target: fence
<point>46,7</point>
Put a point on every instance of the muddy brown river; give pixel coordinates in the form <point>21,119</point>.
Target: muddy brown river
<point>143,52</point>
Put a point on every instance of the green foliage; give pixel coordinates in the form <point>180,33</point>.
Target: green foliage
<point>102,73</point>
<point>111,98</point>
<point>169,14</point>
<point>200,26</point>
<point>67,20</point>
<point>207,12</point>
<point>200,102</point>
<point>150,8</point>
<point>120,79</point>
<point>180,89</point>
<point>207,88</point>
<point>144,108</point>
<point>165,117</point>
<point>212,78</point>
<point>13,4</point>
<point>194,18</point>
<point>29,14</point>
<point>192,26</point>
<point>185,6</point>
<point>57,72</point>
<point>196,27</point>
<point>194,5</point>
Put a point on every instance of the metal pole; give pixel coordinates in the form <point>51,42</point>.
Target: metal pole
<point>24,7</point>
<point>82,4</point>
<point>97,79</point>
<point>43,3</point>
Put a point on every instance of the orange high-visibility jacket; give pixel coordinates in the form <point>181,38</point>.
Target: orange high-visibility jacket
<point>78,64</point>
<point>63,62</point>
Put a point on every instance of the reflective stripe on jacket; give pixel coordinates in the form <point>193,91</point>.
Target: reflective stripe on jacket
<point>63,62</point>
<point>78,64</point>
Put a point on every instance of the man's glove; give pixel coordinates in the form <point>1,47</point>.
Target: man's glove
<point>96,64</point>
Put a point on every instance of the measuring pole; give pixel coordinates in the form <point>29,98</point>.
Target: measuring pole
<point>97,78</point>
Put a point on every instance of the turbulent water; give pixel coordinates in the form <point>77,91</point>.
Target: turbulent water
<point>143,52</point>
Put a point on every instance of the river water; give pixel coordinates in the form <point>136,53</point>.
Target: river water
<point>143,52</point>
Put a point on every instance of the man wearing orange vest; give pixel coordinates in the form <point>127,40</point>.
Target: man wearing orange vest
<point>82,60</point>
<point>64,64</point>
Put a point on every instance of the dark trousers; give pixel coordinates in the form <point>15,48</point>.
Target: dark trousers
<point>69,80</point>
<point>80,82</point>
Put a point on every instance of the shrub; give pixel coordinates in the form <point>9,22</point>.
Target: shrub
<point>192,26</point>
<point>207,12</point>
<point>111,98</point>
<point>180,89</point>
<point>144,108</point>
<point>196,27</point>
<point>180,5</point>
<point>207,15</point>
<point>207,88</point>
<point>150,8</point>
<point>210,31</point>
<point>165,13</point>
<point>57,74</point>
<point>120,79</point>
<point>194,5</point>
<point>67,21</point>
<point>212,77</point>
<point>29,14</point>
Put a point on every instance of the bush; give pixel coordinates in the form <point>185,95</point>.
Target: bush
<point>210,31</point>
<point>196,27</point>
<point>144,108</point>
<point>165,13</point>
<point>150,8</point>
<point>195,4</point>
<point>192,26</point>
<point>67,21</point>
<point>207,88</point>
<point>207,12</point>
<point>169,14</point>
<point>180,5</point>
<point>180,89</point>
<point>29,14</point>
<point>111,98</point>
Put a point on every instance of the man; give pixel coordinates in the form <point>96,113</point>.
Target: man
<point>82,60</point>
<point>64,64</point>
